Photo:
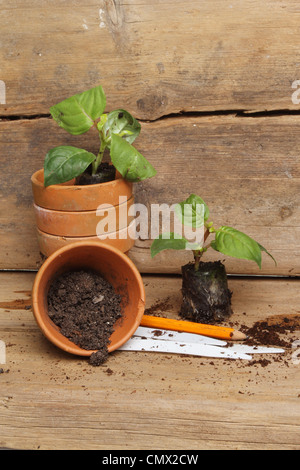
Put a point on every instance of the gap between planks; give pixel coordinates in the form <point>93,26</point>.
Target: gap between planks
<point>230,112</point>
<point>175,275</point>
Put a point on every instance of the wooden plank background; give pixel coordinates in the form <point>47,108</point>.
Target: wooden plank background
<point>191,71</point>
<point>155,57</point>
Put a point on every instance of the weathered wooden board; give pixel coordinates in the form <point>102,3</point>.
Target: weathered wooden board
<point>152,57</point>
<point>147,401</point>
<point>246,169</point>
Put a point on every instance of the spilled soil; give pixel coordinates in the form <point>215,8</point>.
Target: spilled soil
<point>275,331</point>
<point>159,308</point>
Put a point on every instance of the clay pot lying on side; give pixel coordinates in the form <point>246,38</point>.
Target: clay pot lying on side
<point>115,267</point>
<point>67,211</point>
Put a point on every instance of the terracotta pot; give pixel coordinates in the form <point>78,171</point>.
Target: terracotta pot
<point>68,197</point>
<point>121,239</point>
<point>65,212</point>
<point>114,266</point>
<point>82,223</point>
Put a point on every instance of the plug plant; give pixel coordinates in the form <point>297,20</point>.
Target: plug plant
<point>206,297</point>
<point>117,131</point>
<point>195,213</point>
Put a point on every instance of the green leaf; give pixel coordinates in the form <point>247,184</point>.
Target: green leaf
<point>78,113</point>
<point>193,212</point>
<point>65,163</point>
<point>121,122</point>
<point>168,241</point>
<point>263,249</point>
<point>128,161</point>
<point>231,242</point>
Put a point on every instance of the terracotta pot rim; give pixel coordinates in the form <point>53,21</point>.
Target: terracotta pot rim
<point>35,181</point>
<point>109,207</point>
<point>125,229</point>
<point>76,350</point>
<point>69,197</point>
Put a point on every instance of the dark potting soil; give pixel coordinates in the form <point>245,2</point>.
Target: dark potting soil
<point>205,293</point>
<point>268,334</point>
<point>104,174</point>
<point>159,308</point>
<point>85,307</point>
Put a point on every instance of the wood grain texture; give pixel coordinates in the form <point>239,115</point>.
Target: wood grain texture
<point>147,401</point>
<point>246,169</point>
<point>153,57</point>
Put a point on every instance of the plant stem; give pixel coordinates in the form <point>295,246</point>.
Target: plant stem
<point>199,253</point>
<point>99,158</point>
<point>206,235</point>
<point>197,256</point>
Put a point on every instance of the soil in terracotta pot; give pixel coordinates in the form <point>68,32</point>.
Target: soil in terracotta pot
<point>206,297</point>
<point>104,174</point>
<point>85,307</point>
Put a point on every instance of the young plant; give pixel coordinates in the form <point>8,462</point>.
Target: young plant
<point>205,294</point>
<point>194,213</point>
<point>117,131</point>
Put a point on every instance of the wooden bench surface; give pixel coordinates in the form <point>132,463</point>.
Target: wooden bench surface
<point>138,400</point>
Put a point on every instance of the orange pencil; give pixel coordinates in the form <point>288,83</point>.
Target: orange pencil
<point>212,331</point>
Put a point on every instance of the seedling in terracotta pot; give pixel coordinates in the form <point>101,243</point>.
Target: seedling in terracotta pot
<point>117,131</point>
<point>206,297</point>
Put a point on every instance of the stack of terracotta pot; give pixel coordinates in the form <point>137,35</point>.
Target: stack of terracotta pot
<point>68,213</point>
